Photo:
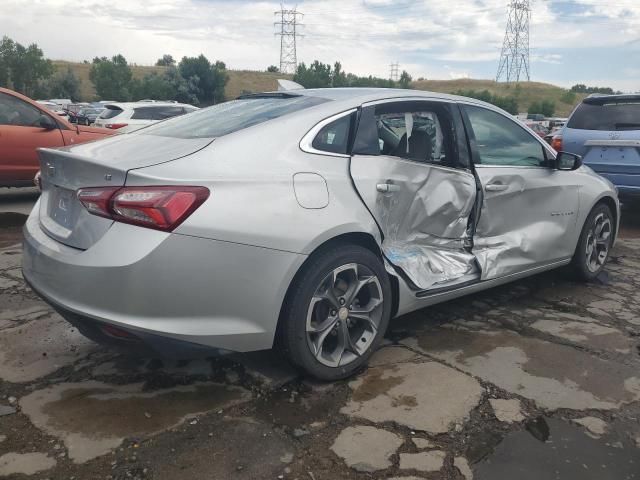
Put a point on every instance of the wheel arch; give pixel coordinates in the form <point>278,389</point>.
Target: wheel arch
<point>362,239</point>
<point>613,206</point>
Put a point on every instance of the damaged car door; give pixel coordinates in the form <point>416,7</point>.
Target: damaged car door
<point>410,165</point>
<point>529,208</point>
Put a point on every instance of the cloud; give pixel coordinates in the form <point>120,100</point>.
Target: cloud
<point>365,35</point>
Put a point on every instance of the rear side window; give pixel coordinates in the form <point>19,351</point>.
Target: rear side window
<point>143,113</point>
<point>229,117</point>
<point>334,137</point>
<point>608,117</point>
<point>110,112</point>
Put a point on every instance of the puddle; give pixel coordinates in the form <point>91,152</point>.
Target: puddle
<point>568,453</point>
<point>94,417</point>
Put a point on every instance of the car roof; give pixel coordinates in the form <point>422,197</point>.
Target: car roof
<point>126,105</point>
<point>602,99</point>
<point>356,95</point>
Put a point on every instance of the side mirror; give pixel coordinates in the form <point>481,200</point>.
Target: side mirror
<point>568,161</point>
<point>47,123</point>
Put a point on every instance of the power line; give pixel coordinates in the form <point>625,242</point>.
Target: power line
<point>514,58</point>
<point>288,33</point>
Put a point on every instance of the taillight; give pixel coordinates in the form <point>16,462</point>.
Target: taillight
<point>115,126</point>
<point>556,143</point>
<point>161,208</point>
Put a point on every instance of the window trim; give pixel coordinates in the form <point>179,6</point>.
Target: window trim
<point>306,143</point>
<point>550,154</point>
<point>460,135</point>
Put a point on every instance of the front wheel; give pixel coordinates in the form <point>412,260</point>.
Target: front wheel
<point>338,312</point>
<point>594,244</point>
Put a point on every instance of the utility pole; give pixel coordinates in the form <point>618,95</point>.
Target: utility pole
<point>514,58</point>
<point>288,23</point>
<point>394,68</point>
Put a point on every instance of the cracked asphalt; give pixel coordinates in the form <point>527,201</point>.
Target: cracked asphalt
<point>538,379</point>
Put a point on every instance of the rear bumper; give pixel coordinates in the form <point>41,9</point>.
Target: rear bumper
<point>164,286</point>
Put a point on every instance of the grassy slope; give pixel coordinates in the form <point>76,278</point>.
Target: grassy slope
<point>529,92</point>
<point>249,81</point>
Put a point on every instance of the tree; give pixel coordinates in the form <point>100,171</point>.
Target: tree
<point>166,61</point>
<point>509,103</point>
<point>21,67</point>
<point>544,107</point>
<point>405,79</point>
<point>338,77</point>
<point>111,78</point>
<point>204,79</point>
<point>62,85</point>
<point>272,69</point>
<point>317,75</point>
<point>7,47</point>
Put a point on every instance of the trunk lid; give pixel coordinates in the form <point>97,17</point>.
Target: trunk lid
<point>97,164</point>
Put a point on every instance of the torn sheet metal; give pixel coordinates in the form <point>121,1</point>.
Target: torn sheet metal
<point>428,266</point>
<point>424,217</point>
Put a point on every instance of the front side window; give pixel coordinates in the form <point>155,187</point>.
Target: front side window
<point>334,137</point>
<point>502,142</point>
<point>417,131</point>
<point>14,111</point>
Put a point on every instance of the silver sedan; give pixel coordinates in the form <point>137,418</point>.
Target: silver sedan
<point>305,219</point>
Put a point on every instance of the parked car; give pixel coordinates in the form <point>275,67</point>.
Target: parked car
<point>540,129</point>
<point>26,125</point>
<point>605,130</point>
<point>87,116</point>
<point>310,216</point>
<point>127,117</point>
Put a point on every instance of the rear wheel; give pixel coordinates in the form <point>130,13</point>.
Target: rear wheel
<point>337,313</point>
<point>594,244</point>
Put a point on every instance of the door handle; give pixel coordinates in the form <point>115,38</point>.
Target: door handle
<point>496,187</point>
<point>387,187</point>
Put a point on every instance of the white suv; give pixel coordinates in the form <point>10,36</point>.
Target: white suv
<point>127,117</point>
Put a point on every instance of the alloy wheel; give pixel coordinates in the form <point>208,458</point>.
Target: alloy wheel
<point>344,315</point>
<point>598,242</point>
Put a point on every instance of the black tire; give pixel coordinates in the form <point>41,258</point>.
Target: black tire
<point>580,263</point>
<point>293,338</point>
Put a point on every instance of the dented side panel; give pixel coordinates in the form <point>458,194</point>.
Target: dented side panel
<point>530,223</point>
<point>423,215</point>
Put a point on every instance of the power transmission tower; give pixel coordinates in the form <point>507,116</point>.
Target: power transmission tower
<point>393,72</point>
<point>514,59</point>
<point>288,23</point>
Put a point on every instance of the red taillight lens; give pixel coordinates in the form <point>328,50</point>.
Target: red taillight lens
<point>556,143</point>
<point>161,208</point>
<point>115,126</point>
<point>96,200</point>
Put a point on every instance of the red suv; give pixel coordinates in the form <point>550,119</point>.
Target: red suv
<point>25,126</point>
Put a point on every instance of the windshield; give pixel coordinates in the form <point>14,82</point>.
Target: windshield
<point>608,117</point>
<point>230,117</point>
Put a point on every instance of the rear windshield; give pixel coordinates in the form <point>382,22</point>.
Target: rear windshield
<point>110,112</point>
<point>230,117</point>
<point>609,117</point>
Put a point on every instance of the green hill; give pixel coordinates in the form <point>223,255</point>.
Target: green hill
<point>241,81</point>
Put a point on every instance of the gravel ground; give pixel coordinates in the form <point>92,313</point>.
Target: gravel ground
<point>537,379</point>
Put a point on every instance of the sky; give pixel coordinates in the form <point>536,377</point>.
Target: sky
<point>595,42</point>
